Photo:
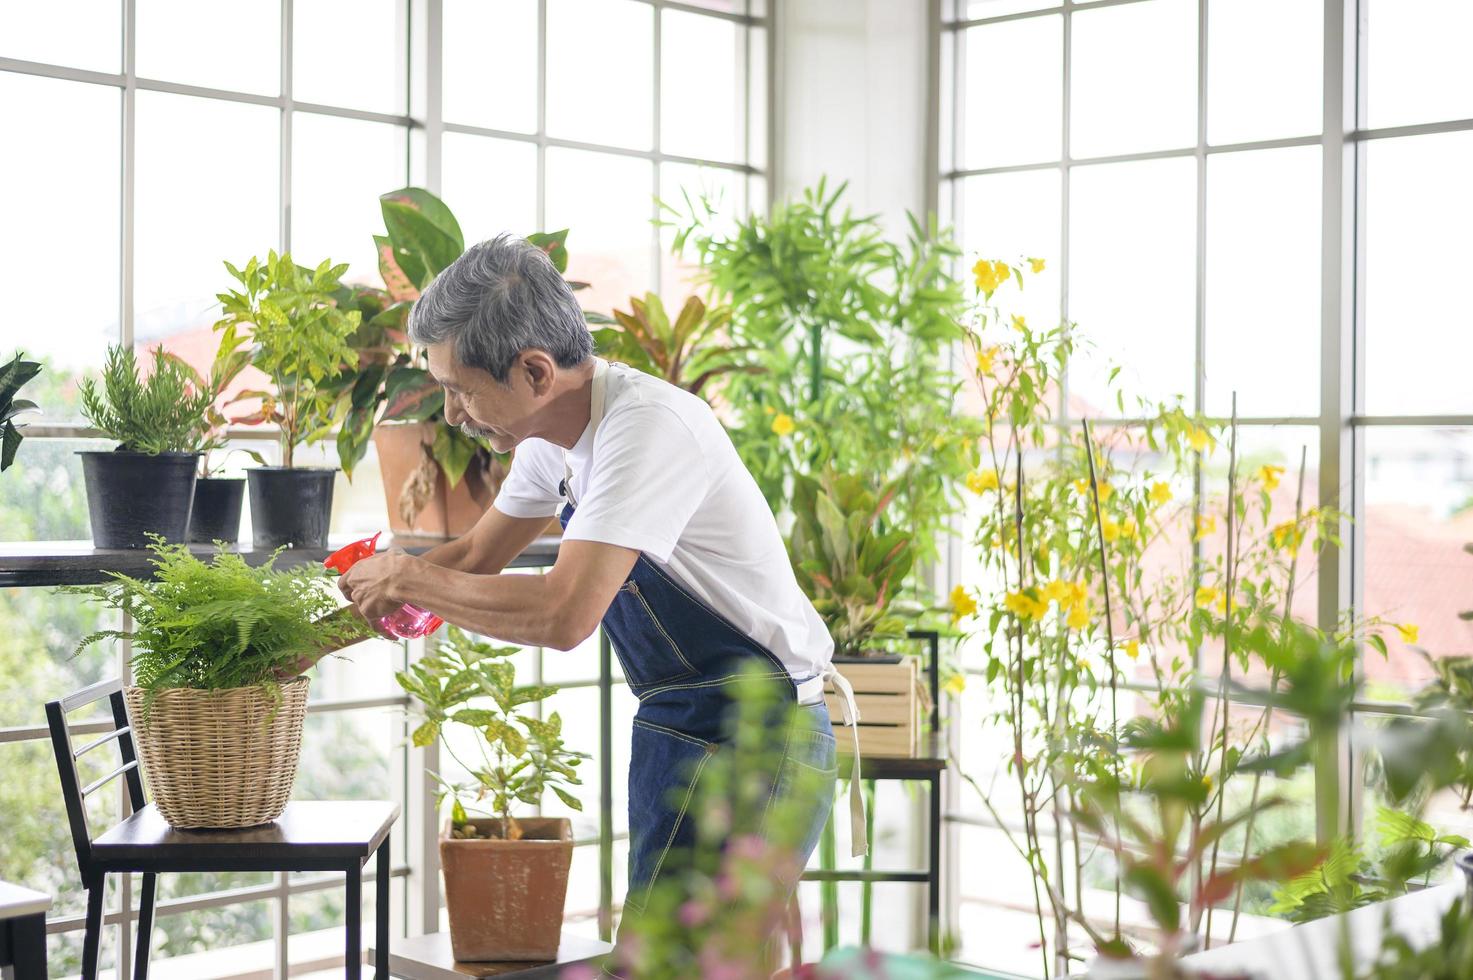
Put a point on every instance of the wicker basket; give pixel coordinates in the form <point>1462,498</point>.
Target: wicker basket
<point>219,758</point>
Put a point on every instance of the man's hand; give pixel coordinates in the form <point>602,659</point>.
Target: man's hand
<point>373,583</point>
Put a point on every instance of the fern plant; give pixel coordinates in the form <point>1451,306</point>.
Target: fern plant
<point>163,413</point>
<point>218,624</point>
<point>522,756</point>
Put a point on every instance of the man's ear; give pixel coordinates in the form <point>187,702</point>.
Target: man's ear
<point>540,370</point>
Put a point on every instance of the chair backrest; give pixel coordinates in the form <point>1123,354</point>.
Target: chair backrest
<point>73,793</point>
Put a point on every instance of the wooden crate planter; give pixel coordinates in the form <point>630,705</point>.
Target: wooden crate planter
<point>892,705</point>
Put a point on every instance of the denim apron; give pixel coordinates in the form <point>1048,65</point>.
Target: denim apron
<point>678,655</point>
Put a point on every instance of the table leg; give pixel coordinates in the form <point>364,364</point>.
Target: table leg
<point>353,961</point>
<point>28,946</point>
<point>934,880</point>
<point>381,913</point>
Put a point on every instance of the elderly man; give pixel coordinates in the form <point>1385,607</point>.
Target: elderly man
<point>668,542</point>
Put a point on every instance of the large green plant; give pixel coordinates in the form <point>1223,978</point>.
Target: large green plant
<point>473,684</point>
<point>299,335</point>
<point>221,623</point>
<point>163,413</point>
<point>853,571</point>
<point>689,352</point>
<point>13,377</point>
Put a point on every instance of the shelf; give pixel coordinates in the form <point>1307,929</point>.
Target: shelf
<point>34,564</point>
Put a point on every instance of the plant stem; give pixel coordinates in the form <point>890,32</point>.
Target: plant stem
<point>1273,688</point>
<point>1227,648</point>
<point>1094,490</point>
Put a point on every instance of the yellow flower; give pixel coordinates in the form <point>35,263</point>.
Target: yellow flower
<point>1208,596</point>
<point>783,425</point>
<point>1408,632</point>
<point>1024,606</point>
<point>1081,487</point>
<point>1160,493</point>
<point>990,275</point>
<point>1201,440</point>
<point>962,604</point>
<point>1206,524</point>
<point>1128,529</point>
<point>1269,474</point>
<point>1285,536</point>
<point>769,409</point>
<point>1078,595</point>
<point>1133,649</point>
<point>1110,529</point>
<point>1207,782</point>
<point>1036,265</point>
<point>1078,616</point>
<point>1019,323</point>
<point>984,359</point>
<point>980,481</point>
<point>955,684</point>
<point>1057,591</point>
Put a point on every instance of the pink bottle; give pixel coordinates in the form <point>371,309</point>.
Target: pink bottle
<point>410,622</point>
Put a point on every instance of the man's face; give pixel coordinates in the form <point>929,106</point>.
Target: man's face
<point>481,406</point>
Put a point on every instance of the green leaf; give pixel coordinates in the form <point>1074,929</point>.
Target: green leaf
<point>425,734</point>
<point>572,801</point>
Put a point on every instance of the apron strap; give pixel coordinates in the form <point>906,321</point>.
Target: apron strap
<point>859,839</point>
<point>595,417</point>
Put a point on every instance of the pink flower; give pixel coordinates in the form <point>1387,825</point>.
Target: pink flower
<point>694,913</point>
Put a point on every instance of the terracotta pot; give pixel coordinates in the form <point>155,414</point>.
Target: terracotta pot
<point>450,511</point>
<point>505,897</point>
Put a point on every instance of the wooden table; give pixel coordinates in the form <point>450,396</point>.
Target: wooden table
<point>1312,950</point>
<point>429,958</point>
<point>23,932</point>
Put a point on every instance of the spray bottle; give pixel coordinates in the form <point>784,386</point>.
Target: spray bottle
<point>409,622</point>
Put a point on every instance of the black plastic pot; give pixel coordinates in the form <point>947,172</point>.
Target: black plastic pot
<point>131,495</point>
<point>216,514</point>
<point>290,507</point>
<point>1465,865</point>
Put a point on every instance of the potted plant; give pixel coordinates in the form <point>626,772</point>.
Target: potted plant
<point>299,336</point>
<point>13,377</point>
<point>146,485</point>
<point>217,500</point>
<point>438,481</point>
<point>217,704</point>
<point>506,877</point>
<point>690,352</point>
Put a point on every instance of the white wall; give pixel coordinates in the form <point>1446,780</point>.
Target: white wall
<point>852,101</point>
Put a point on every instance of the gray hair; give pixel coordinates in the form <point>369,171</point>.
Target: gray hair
<point>502,297</point>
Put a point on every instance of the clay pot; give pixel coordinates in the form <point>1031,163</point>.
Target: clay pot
<point>449,511</point>
<point>505,897</point>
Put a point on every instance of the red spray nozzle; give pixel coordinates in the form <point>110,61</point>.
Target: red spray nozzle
<point>349,555</point>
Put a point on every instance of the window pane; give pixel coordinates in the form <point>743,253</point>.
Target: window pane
<point>1419,500</point>
<point>1419,205</point>
<point>1263,281</point>
<point>195,211</point>
<point>1264,69</point>
<point>606,202</point>
<point>1008,216</point>
<point>350,53</point>
<point>723,188</point>
<point>490,64</point>
<point>1134,81</point>
<point>70,178</point>
<point>491,185</point>
<point>232,45</point>
<point>1014,96</point>
<point>335,208</point>
<point>600,71</point>
<point>47,32</point>
<point>1132,266</point>
<point>701,98</point>
<point>971,9</point>
<point>1417,65</point>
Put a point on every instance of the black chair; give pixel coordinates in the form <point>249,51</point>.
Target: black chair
<point>308,836</point>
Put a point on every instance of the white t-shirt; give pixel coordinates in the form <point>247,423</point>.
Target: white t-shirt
<point>663,478</point>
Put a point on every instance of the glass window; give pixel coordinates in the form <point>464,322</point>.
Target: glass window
<point>607,202</point>
<point>490,64</point>
<point>679,181</point>
<point>1263,289</point>
<point>702,102</point>
<point>1134,78</point>
<point>68,309</point>
<point>1417,66</point>
<point>350,53</point>
<point>1013,215</point>
<point>1014,98</point>
<point>335,209</point>
<point>1418,336</point>
<point>234,45</point>
<point>490,185</point>
<point>1264,69</point>
<point>600,72</point>
<point>46,32</point>
<point>195,210</point>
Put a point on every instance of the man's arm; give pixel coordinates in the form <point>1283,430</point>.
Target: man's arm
<point>559,609</point>
<point>490,546</point>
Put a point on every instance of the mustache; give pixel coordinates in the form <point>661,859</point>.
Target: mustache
<point>475,431</point>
